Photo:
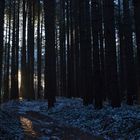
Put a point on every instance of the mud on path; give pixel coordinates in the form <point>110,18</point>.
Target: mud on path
<point>37,126</point>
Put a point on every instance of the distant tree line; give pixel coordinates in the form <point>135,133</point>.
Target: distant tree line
<point>73,48</point>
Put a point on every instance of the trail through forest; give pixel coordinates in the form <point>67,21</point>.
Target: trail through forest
<point>69,120</point>
<point>36,126</point>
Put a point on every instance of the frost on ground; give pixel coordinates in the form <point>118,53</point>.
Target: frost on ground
<point>111,123</point>
<point>9,127</point>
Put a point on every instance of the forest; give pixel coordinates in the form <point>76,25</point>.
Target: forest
<point>75,63</point>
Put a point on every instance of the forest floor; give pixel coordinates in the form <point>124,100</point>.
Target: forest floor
<point>70,120</point>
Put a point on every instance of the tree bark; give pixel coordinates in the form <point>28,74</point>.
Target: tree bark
<point>110,54</point>
<point>128,44</point>
<point>50,52</point>
<point>2,5</point>
<point>137,29</point>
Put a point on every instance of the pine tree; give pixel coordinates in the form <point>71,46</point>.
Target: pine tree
<point>96,57</point>
<point>6,67</point>
<point>70,51</point>
<point>63,48</point>
<point>2,5</point>
<point>122,58</point>
<point>39,51</point>
<point>85,53</point>
<point>6,87</point>
<point>110,53</point>
<point>137,29</point>
<point>77,46</point>
<point>30,50</point>
<point>50,52</point>
<point>23,55</point>
<point>14,86</point>
<point>128,44</point>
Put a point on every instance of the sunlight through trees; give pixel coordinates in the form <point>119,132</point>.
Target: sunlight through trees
<point>72,48</point>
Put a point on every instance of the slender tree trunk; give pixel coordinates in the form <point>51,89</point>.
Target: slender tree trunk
<point>77,46</point>
<point>50,54</point>
<point>68,47</point>
<point>110,53</point>
<point>102,50</point>
<point>6,89</point>
<point>70,53</point>
<point>63,48</point>
<point>96,58</point>
<point>128,42</point>
<point>38,54</point>
<point>5,95</point>
<point>30,48</point>
<point>2,5</point>
<point>14,88</point>
<point>82,49</point>
<point>137,28</point>
<point>122,58</point>
<point>23,56</point>
<point>17,48</point>
<point>85,50</point>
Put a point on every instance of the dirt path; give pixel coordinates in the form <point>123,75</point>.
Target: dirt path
<point>40,127</point>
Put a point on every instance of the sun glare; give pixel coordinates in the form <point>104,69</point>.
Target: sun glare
<point>19,78</point>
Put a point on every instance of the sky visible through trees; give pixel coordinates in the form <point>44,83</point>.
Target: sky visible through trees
<point>72,48</point>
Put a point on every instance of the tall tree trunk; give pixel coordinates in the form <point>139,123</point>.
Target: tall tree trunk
<point>5,95</point>
<point>70,53</point>
<point>63,48</point>
<point>85,50</point>
<point>14,88</point>
<point>102,51</point>
<point>50,55</point>
<point>137,28</point>
<point>96,59</point>
<point>110,53</point>
<point>23,56</point>
<point>128,42</point>
<point>17,48</point>
<point>122,58</point>
<point>38,54</point>
<point>2,5</point>
<point>77,46</point>
<point>6,88</point>
<point>30,48</point>
<point>68,47</point>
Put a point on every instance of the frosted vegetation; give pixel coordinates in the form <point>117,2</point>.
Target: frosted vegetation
<point>110,123</point>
